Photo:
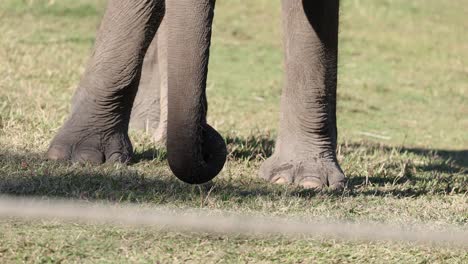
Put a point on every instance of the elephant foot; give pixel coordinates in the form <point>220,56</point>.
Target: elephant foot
<point>160,135</point>
<point>144,120</point>
<point>88,144</point>
<point>145,115</point>
<point>157,129</point>
<point>149,114</point>
<point>313,173</point>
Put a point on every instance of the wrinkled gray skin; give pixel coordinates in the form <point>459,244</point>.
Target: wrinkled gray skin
<point>149,113</point>
<point>176,65</point>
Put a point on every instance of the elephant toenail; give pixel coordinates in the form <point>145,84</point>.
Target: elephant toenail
<point>312,184</point>
<point>279,180</point>
<point>118,158</point>
<point>337,186</point>
<point>92,157</point>
<point>56,153</point>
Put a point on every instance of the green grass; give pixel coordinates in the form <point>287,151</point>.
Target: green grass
<point>403,77</point>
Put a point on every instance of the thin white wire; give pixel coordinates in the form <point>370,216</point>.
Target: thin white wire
<point>226,223</point>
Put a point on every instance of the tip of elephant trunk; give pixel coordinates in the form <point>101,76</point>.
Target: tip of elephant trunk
<point>197,161</point>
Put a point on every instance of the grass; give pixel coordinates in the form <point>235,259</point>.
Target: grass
<point>403,104</point>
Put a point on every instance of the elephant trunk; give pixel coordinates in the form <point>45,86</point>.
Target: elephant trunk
<point>196,152</point>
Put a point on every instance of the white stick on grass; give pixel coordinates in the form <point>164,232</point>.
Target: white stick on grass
<point>226,223</point>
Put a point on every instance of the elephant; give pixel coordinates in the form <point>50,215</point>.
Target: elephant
<point>142,44</point>
<point>149,112</point>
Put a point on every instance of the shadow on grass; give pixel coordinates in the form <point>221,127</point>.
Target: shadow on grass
<point>30,175</point>
<point>262,146</point>
<point>250,148</point>
<point>239,148</point>
<point>158,154</point>
<point>458,158</point>
<point>443,161</point>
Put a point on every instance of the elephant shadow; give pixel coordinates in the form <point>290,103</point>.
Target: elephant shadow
<point>421,172</point>
<point>239,148</point>
<point>30,175</point>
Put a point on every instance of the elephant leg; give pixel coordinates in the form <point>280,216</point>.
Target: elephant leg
<point>96,130</point>
<point>149,113</point>
<point>305,150</point>
<point>146,108</point>
<point>195,151</point>
<point>160,134</point>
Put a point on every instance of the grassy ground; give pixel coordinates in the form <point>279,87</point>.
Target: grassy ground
<point>403,107</point>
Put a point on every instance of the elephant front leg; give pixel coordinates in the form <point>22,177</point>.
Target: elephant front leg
<point>305,150</point>
<point>96,130</point>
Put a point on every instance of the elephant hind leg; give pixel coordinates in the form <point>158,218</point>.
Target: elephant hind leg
<point>146,108</point>
<point>96,130</point>
<point>160,134</point>
<point>149,113</point>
